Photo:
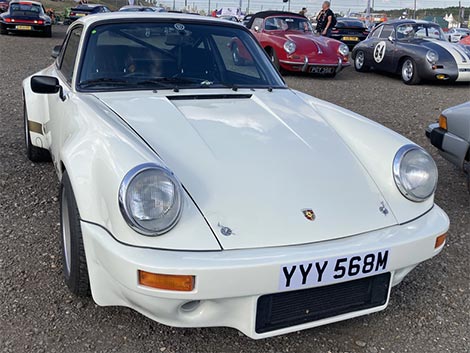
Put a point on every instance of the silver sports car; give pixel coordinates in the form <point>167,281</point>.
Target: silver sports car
<point>451,135</point>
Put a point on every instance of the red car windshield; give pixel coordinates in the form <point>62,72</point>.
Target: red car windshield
<point>25,9</point>
<point>287,24</point>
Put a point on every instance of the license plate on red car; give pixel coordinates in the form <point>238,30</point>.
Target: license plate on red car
<point>332,270</point>
<point>322,69</point>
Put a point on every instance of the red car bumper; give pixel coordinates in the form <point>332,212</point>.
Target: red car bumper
<point>315,65</point>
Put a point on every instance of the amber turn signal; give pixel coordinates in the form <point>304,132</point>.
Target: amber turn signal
<point>443,122</point>
<point>440,240</point>
<point>182,283</point>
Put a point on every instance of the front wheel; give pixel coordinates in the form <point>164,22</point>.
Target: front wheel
<point>359,62</point>
<point>48,32</point>
<point>409,72</point>
<point>237,59</point>
<point>3,31</point>
<point>73,251</point>
<point>274,59</point>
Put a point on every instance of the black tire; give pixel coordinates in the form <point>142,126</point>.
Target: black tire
<point>73,252</point>
<point>274,59</point>
<point>359,62</point>
<point>409,72</point>
<point>48,32</point>
<point>237,59</point>
<point>3,31</point>
<point>34,154</point>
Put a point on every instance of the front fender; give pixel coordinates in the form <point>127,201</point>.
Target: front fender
<point>98,150</point>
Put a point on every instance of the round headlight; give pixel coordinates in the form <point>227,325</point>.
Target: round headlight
<point>343,50</point>
<point>289,47</point>
<point>432,56</point>
<point>150,199</point>
<point>415,173</point>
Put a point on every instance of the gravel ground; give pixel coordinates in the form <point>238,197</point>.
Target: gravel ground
<point>428,312</point>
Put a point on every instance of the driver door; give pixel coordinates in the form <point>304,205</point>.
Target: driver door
<point>384,49</point>
<point>61,108</point>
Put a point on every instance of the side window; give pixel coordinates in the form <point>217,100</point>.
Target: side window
<point>376,32</point>
<point>70,53</point>
<point>386,32</point>
<point>257,22</point>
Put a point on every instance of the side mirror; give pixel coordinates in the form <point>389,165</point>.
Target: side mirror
<point>257,29</point>
<point>56,51</point>
<point>391,39</point>
<point>46,85</point>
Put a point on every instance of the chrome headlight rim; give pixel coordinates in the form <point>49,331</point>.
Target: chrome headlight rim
<point>290,47</point>
<point>124,207</point>
<point>343,49</point>
<point>431,56</point>
<point>399,156</point>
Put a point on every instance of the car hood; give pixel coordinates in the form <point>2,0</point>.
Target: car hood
<point>256,163</point>
<point>460,54</point>
<point>305,41</point>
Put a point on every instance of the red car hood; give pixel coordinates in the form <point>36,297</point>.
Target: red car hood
<point>311,44</point>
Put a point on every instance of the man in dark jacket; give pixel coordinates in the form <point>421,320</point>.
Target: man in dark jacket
<point>325,20</point>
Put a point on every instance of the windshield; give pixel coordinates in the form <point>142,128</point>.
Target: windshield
<point>173,55</point>
<point>25,9</point>
<point>411,31</point>
<point>287,24</point>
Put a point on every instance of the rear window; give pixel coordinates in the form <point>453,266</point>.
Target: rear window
<point>27,9</point>
<point>350,23</point>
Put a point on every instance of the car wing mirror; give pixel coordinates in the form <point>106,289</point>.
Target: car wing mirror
<point>391,39</point>
<point>46,85</point>
<point>56,51</point>
<point>257,29</point>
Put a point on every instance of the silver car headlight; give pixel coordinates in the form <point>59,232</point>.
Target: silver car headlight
<point>290,47</point>
<point>415,173</point>
<point>343,49</point>
<point>432,56</point>
<point>150,199</point>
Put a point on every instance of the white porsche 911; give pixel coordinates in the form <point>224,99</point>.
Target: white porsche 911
<point>202,192</point>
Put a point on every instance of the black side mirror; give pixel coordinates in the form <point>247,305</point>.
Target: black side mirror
<point>46,85</point>
<point>56,51</point>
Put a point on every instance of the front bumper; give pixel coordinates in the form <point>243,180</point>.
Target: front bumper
<point>13,27</point>
<point>450,146</point>
<point>229,283</point>
<point>312,66</point>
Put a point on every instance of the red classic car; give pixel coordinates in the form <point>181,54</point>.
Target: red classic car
<point>289,40</point>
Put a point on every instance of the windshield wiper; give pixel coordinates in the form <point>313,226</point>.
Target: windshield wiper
<point>104,80</point>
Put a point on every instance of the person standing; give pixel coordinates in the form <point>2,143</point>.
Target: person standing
<point>303,12</point>
<point>326,20</point>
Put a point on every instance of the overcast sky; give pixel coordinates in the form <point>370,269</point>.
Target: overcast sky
<point>314,5</point>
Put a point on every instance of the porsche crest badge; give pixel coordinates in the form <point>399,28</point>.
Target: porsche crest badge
<point>309,214</point>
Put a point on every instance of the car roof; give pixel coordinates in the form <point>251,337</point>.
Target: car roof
<point>26,2</point>
<point>265,14</point>
<point>91,6</point>
<point>129,16</point>
<point>404,21</point>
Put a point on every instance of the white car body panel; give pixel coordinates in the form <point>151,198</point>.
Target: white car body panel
<point>219,275</point>
<point>227,150</point>
<point>251,165</point>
